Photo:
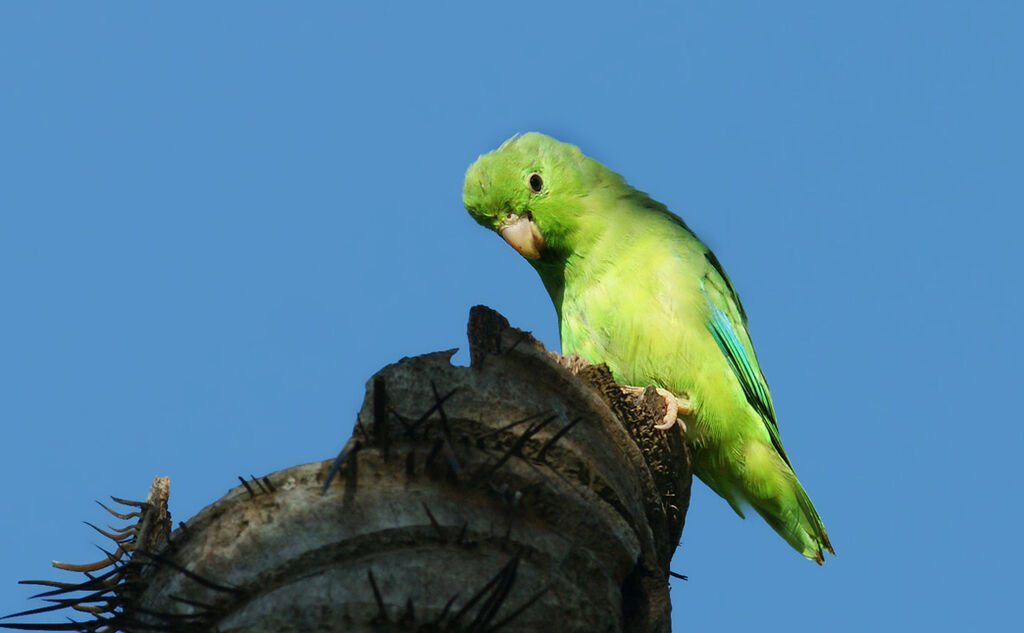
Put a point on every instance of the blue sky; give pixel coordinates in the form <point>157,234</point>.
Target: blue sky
<point>217,221</point>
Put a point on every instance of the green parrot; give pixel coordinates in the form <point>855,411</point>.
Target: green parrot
<point>634,288</point>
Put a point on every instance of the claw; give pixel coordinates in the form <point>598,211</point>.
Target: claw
<point>671,412</point>
<point>675,406</point>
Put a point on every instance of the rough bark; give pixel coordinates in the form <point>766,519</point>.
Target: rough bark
<point>526,492</point>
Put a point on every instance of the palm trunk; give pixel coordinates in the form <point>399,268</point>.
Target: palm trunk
<point>526,492</point>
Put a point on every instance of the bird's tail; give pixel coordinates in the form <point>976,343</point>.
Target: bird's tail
<point>770,486</point>
<point>800,526</point>
<point>787,508</point>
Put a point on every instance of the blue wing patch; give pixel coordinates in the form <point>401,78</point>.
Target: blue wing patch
<point>721,329</point>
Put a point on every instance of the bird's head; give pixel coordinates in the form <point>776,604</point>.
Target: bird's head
<point>530,191</point>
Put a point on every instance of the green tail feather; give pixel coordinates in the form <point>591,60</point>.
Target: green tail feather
<point>806,533</point>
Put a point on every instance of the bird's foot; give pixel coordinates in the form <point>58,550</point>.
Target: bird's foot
<point>675,406</point>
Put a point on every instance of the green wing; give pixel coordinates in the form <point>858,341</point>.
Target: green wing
<point>728,325</point>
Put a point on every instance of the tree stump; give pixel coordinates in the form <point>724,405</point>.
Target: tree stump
<point>527,492</point>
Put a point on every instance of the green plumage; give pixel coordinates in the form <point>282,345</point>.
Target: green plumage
<point>635,288</point>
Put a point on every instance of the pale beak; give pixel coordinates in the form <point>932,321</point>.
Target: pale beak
<point>523,235</point>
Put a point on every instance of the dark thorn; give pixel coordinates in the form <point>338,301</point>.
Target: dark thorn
<point>117,538</point>
<point>437,405</point>
<point>362,430</point>
<point>440,410</point>
<point>410,464</point>
<point>557,474</point>
<point>376,596</point>
<point>192,603</point>
<point>434,450</point>
<point>115,557</point>
<point>509,426</point>
<point>126,502</point>
<point>270,486</point>
<point>498,596</point>
<point>189,574</point>
<point>522,337</point>
<point>462,532</point>
<point>557,436</point>
<point>394,415</point>
<point>534,468</point>
<point>253,479</point>
<point>380,401</point>
<point>247,488</point>
<point>124,517</point>
<point>447,608</point>
<point>67,587</point>
<point>380,416</point>
<point>71,625</point>
<point>339,461</point>
<point>351,482</point>
<point>518,445</point>
<point>410,614</point>
<point>480,593</point>
<point>444,446</point>
<point>173,620</point>
<point>516,613</point>
<point>48,583</point>
<point>59,604</point>
<point>433,522</point>
<point>453,461</point>
<point>679,576</point>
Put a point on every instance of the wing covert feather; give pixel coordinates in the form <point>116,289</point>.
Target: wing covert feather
<point>728,325</point>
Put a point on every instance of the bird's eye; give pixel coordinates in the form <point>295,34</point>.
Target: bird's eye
<point>536,182</point>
